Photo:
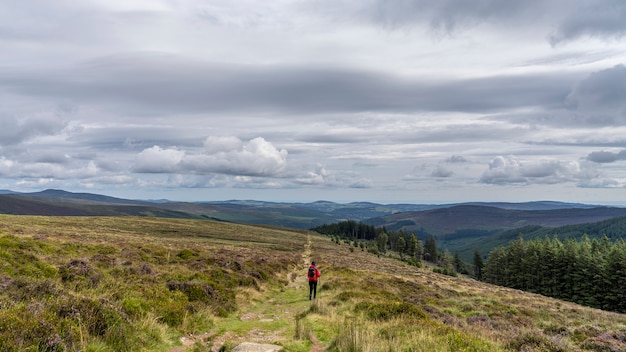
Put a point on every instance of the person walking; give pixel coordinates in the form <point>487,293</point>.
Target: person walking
<point>314,275</point>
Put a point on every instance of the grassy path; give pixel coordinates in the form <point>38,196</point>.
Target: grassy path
<point>269,316</point>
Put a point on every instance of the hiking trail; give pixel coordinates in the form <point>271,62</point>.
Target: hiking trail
<point>265,317</point>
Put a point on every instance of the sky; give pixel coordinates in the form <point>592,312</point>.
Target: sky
<point>403,101</point>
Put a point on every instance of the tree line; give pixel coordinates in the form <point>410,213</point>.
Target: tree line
<point>407,246</point>
<point>588,272</point>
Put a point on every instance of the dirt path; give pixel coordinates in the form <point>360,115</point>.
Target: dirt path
<point>265,317</point>
<point>307,257</point>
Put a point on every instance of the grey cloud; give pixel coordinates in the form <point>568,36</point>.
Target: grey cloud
<point>17,129</point>
<point>596,18</point>
<point>116,135</point>
<point>468,133</point>
<point>560,19</point>
<point>601,97</point>
<point>442,171</point>
<point>333,137</point>
<point>456,159</point>
<point>51,158</point>
<point>156,85</point>
<point>472,131</point>
<point>595,100</point>
<point>362,183</point>
<point>447,15</point>
<point>606,157</point>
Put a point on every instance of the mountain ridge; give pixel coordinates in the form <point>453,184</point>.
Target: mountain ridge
<point>455,226</point>
<point>297,215</point>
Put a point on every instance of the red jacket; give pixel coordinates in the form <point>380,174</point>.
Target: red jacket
<point>317,274</point>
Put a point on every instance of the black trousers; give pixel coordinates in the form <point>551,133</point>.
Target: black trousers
<point>312,289</point>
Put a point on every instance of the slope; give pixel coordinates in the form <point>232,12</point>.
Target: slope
<point>137,284</point>
<point>613,229</point>
<point>69,206</point>
<point>445,221</point>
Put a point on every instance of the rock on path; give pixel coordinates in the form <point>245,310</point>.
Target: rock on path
<point>256,347</point>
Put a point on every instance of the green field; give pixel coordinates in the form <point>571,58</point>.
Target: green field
<point>150,284</point>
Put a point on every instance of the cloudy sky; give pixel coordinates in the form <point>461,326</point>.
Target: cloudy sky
<point>300,100</point>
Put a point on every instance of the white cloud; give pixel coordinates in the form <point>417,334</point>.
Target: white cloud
<point>224,155</point>
<point>258,157</point>
<point>602,182</point>
<point>214,144</point>
<point>509,170</point>
<point>158,160</point>
<point>319,176</point>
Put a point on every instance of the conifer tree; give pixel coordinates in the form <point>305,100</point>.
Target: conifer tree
<point>616,274</point>
<point>478,265</point>
<point>412,246</point>
<point>430,249</point>
<point>382,242</point>
<point>419,250</point>
<point>458,264</point>
<point>588,272</point>
<point>400,245</point>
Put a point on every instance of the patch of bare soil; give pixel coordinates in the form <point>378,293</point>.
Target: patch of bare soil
<point>189,341</point>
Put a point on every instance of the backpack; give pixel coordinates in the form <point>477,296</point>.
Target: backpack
<point>311,272</point>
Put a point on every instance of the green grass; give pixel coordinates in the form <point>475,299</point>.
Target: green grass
<point>140,284</point>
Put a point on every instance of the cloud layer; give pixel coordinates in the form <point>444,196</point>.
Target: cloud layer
<point>389,101</point>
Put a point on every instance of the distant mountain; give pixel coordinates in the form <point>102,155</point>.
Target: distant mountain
<point>55,203</point>
<point>445,221</point>
<point>537,205</point>
<point>60,195</point>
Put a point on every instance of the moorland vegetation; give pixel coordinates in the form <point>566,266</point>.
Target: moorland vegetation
<point>173,285</point>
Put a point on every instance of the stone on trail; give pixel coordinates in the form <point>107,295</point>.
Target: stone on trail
<point>256,347</point>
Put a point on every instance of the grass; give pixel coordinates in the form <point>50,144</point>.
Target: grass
<point>147,284</point>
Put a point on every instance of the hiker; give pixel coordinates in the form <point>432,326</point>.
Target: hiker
<point>313,275</point>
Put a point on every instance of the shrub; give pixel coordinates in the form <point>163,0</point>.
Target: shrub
<point>23,289</point>
<point>171,310</point>
<point>23,328</point>
<point>80,273</point>
<point>445,271</point>
<point>219,298</point>
<point>534,342</point>
<point>186,254</point>
<point>389,310</point>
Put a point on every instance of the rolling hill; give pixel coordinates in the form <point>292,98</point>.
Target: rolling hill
<point>438,219</point>
<point>447,221</point>
<point>458,227</point>
<point>181,285</point>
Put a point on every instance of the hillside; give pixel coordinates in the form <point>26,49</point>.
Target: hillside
<point>449,220</point>
<point>441,219</point>
<point>175,285</point>
<point>465,243</point>
<point>57,206</point>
